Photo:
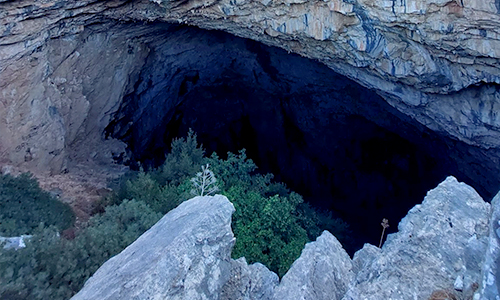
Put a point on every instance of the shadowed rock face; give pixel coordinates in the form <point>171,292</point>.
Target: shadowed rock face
<point>338,144</point>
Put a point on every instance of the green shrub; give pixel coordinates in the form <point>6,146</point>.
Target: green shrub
<point>160,198</point>
<point>163,188</point>
<point>237,169</point>
<point>24,205</point>
<point>271,224</point>
<point>267,230</point>
<point>183,162</point>
<point>54,268</point>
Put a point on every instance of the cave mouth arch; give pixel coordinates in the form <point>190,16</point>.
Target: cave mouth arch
<point>333,141</point>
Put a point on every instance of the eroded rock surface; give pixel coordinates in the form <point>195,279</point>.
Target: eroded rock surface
<point>186,255</point>
<point>440,245</point>
<point>444,246</point>
<point>65,66</point>
<point>414,53</point>
<point>249,282</point>
<point>323,271</point>
<point>491,269</point>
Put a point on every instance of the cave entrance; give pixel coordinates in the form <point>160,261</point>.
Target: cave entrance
<point>335,142</point>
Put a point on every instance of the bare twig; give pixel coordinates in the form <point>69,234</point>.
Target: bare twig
<point>385,224</point>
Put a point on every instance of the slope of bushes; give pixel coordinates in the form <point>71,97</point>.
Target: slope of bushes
<point>51,267</point>
<point>271,224</point>
<point>24,205</point>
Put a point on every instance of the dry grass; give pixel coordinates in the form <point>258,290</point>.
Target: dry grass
<point>443,295</point>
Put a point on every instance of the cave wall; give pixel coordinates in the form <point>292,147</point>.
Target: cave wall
<point>413,53</point>
<point>418,55</point>
<point>69,70</point>
<point>57,99</point>
<point>332,140</point>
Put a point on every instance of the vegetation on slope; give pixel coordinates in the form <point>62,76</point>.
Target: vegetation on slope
<point>24,205</point>
<point>271,224</point>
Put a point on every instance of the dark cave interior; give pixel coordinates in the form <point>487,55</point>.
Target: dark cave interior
<point>333,141</point>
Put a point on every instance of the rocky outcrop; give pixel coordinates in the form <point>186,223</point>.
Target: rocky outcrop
<point>323,271</point>
<point>440,245</point>
<point>15,243</point>
<point>249,282</point>
<point>65,66</point>
<point>491,269</point>
<point>440,249</point>
<point>186,255</point>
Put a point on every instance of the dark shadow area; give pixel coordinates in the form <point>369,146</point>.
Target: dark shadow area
<point>335,142</point>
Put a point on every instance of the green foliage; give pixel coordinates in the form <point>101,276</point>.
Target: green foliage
<point>24,205</point>
<point>237,169</point>
<point>119,191</point>
<point>54,268</point>
<point>267,229</point>
<point>114,230</point>
<point>166,187</point>
<point>182,162</point>
<point>160,198</point>
<point>271,224</point>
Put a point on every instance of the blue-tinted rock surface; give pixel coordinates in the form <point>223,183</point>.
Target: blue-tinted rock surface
<point>444,245</point>
<point>186,255</point>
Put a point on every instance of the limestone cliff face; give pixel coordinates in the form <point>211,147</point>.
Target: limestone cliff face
<point>65,66</point>
<point>58,80</point>
<point>414,53</point>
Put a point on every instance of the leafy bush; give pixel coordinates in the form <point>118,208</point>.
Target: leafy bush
<point>160,198</point>
<point>271,224</point>
<point>54,268</point>
<point>237,169</point>
<point>24,205</point>
<point>267,230</point>
<point>182,162</point>
<point>165,187</point>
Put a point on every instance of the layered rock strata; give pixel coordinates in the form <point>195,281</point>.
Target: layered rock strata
<point>440,249</point>
<point>64,69</point>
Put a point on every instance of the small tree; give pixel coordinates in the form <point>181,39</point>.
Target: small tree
<point>205,182</point>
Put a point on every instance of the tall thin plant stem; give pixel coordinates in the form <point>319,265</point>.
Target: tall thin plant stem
<point>385,224</point>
